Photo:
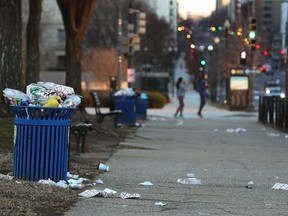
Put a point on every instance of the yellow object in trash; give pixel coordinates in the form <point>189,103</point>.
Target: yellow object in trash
<point>53,102</point>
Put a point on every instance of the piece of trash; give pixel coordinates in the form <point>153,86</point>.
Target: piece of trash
<point>249,184</point>
<point>237,130</point>
<point>193,181</point>
<point>75,181</point>
<point>76,186</point>
<point>109,192</point>
<point>125,195</point>
<point>190,175</point>
<point>69,175</point>
<point>99,193</point>
<point>215,129</point>
<point>160,204</point>
<point>280,186</point>
<point>147,183</point>
<point>98,181</point>
<point>7,177</point>
<point>273,134</point>
<point>89,193</point>
<point>103,167</point>
<point>202,213</point>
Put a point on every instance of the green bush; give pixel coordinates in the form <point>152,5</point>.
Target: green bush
<point>156,99</point>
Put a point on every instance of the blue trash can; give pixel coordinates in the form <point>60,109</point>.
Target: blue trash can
<point>127,105</point>
<point>41,142</point>
<point>141,108</point>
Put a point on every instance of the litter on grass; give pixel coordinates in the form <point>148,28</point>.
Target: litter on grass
<point>7,177</point>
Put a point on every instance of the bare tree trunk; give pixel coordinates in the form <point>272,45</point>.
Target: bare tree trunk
<point>76,16</point>
<point>33,34</point>
<point>10,47</point>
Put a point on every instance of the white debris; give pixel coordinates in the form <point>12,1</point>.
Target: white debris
<point>7,177</point>
<point>193,181</point>
<point>125,195</point>
<point>99,193</point>
<point>98,181</point>
<point>273,134</point>
<point>190,175</point>
<point>147,183</point>
<point>160,204</point>
<point>280,186</point>
<point>236,130</point>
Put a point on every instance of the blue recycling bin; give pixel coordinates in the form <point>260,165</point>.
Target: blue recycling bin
<point>127,105</point>
<point>141,108</point>
<point>41,142</point>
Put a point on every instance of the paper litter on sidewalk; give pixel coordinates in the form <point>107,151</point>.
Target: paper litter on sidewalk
<point>237,130</point>
<point>125,195</point>
<point>99,193</point>
<point>273,134</point>
<point>160,204</point>
<point>193,181</point>
<point>280,186</point>
<point>146,183</point>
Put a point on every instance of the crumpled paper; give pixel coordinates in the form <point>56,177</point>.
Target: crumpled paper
<point>125,195</point>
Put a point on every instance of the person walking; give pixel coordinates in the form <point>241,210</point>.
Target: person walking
<point>181,89</point>
<point>202,94</point>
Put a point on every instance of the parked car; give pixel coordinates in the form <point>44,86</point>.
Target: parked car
<point>273,88</point>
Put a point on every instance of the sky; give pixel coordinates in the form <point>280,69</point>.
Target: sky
<point>196,7</point>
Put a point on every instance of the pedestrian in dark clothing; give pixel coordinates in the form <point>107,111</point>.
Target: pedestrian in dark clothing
<point>202,94</point>
<point>181,89</point>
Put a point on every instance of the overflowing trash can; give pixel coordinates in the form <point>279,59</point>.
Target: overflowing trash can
<point>41,130</point>
<point>127,105</point>
<point>41,138</point>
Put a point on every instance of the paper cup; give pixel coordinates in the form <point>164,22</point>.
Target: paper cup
<point>103,167</point>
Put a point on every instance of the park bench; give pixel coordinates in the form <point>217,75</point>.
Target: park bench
<point>80,131</point>
<point>101,115</point>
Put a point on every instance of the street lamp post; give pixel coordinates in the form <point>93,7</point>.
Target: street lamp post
<point>226,25</point>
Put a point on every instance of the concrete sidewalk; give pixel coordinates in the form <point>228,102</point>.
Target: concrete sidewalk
<point>235,162</point>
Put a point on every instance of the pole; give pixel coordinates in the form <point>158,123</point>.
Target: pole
<point>119,53</point>
<point>250,106</point>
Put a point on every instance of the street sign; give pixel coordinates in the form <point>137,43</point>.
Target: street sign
<point>252,71</point>
<point>236,71</point>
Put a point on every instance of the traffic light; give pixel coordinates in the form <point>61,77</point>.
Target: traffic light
<point>203,62</point>
<point>243,56</point>
<point>252,33</point>
<point>141,23</point>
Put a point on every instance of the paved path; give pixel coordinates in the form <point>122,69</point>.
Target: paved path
<point>234,159</point>
<point>225,151</point>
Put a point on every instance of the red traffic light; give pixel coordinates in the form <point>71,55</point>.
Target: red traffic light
<point>282,51</point>
<point>265,53</point>
<point>257,46</point>
<point>264,69</point>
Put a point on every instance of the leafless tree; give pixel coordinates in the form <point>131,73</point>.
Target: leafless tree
<point>32,42</point>
<point>76,16</point>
